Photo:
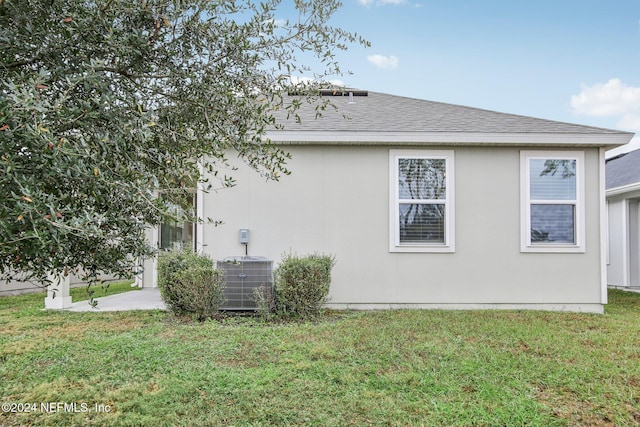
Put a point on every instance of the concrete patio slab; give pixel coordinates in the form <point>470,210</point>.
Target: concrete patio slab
<point>142,299</point>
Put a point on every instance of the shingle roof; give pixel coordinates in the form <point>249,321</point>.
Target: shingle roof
<point>379,112</point>
<point>623,170</point>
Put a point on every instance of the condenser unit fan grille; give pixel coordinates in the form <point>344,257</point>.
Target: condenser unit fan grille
<point>243,275</point>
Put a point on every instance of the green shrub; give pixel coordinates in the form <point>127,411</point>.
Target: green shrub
<point>302,284</point>
<point>189,284</point>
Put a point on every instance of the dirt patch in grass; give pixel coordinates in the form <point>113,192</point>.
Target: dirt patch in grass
<point>565,405</point>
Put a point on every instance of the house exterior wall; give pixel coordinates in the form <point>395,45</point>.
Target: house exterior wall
<point>336,201</point>
<point>623,263</point>
<point>18,287</point>
<point>617,270</point>
<point>633,234</point>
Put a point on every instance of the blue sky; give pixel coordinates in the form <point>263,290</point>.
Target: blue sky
<point>566,60</point>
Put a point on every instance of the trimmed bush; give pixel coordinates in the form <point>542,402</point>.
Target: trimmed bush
<point>189,284</point>
<point>302,284</point>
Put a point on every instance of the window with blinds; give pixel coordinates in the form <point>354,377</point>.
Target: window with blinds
<point>552,199</point>
<point>421,191</point>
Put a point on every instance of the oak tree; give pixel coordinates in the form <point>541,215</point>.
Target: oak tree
<point>104,103</point>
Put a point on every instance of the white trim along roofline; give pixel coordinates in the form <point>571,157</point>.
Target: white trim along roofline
<point>623,189</point>
<point>610,140</point>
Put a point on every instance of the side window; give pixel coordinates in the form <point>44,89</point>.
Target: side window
<point>421,198</point>
<point>552,201</point>
<point>178,233</point>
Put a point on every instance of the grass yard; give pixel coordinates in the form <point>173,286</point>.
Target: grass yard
<point>432,368</point>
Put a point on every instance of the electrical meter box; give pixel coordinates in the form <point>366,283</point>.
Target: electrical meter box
<point>244,235</point>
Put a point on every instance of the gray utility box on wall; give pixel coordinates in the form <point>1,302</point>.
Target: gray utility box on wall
<point>243,274</point>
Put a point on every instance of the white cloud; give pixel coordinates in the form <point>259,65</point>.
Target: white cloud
<point>608,99</point>
<point>612,98</point>
<point>381,61</point>
<point>630,121</point>
<point>303,80</point>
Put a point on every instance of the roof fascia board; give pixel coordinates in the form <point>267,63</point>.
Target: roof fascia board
<point>629,188</point>
<point>383,138</point>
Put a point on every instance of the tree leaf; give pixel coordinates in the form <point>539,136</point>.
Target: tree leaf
<point>132,93</point>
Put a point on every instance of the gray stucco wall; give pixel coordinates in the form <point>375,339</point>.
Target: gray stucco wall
<point>337,201</point>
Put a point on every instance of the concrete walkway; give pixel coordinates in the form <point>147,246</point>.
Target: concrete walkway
<point>149,299</point>
<point>142,299</point>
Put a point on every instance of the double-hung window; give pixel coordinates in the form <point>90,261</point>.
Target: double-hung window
<point>421,195</point>
<point>552,201</point>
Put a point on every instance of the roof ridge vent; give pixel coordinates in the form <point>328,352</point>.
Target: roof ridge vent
<point>344,92</point>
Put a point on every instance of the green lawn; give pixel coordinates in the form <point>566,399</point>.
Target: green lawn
<point>404,367</point>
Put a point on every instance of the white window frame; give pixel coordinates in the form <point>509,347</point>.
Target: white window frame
<point>394,202</point>
<point>525,202</point>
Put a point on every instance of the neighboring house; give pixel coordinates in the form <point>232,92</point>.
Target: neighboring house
<point>19,287</point>
<point>427,205</point>
<point>623,199</point>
